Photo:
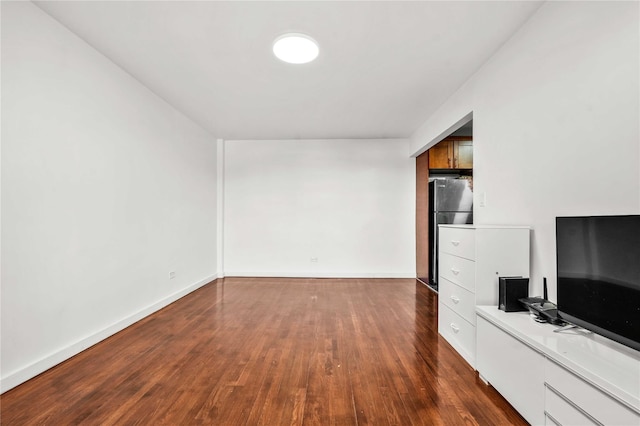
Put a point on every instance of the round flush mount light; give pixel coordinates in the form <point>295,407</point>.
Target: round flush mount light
<point>295,48</point>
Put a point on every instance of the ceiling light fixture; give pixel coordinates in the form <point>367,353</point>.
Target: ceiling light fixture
<point>295,48</point>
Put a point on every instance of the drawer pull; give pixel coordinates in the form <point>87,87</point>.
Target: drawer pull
<point>455,271</point>
<point>455,328</point>
<point>455,242</point>
<point>454,298</point>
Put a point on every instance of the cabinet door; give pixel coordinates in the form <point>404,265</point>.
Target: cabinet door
<point>441,155</point>
<point>463,155</point>
<point>513,369</point>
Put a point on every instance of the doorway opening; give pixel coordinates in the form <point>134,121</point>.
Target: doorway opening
<point>444,195</point>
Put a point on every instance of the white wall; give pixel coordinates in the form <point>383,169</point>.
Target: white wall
<point>105,190</point>
<point>348,203</point>
<point>556,122</point>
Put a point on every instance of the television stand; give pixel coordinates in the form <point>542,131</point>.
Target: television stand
<point>557,378</point>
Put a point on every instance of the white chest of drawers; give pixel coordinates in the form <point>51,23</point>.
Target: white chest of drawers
<point>471,258</point>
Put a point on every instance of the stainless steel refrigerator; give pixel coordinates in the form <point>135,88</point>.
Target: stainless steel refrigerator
<point>450,202</point>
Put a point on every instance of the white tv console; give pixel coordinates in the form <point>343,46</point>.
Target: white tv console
<point>573,377</point>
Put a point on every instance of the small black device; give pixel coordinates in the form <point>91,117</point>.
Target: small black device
<point>527,301</point>
<point>543,310</point>
<point>546,312</point>
<point>510,290</point>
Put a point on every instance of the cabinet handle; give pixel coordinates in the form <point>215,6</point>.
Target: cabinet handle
<point>455,271</point>
<point>454,298</point>
<point>455,243</point>
<point>455,328</point>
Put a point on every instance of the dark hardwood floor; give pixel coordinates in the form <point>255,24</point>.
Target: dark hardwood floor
<point>273,352</point>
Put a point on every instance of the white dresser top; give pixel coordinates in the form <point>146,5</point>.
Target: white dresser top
<point>473,226</point>
<point>608,365</point>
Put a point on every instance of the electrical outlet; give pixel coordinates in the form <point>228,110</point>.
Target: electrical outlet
<point>172,275</point>
<point>314,260</point>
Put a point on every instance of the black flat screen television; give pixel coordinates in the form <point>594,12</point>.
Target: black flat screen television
<point>598,275</point>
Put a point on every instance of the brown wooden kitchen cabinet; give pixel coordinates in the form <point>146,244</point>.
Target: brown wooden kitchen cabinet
<point>452,153</point>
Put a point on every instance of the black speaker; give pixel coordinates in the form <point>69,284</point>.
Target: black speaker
<point>510,289</point>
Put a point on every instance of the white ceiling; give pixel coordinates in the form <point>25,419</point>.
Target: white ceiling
<point>384,66</point>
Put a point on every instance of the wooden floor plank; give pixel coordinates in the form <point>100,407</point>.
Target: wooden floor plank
<point>270,351</point>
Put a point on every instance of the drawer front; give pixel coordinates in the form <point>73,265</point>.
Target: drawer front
<point>459,333</point>
<point>458,270</point>
<point>562,412</point>
<point>513,369</point>
<point>458,299</point>
<point>458,241</point>
<point>591,400</point>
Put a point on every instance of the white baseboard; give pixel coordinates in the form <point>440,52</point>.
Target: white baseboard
<point>309,274</point>
<point>14,379</point>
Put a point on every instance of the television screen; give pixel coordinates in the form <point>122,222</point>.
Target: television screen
<point>598,275</point>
